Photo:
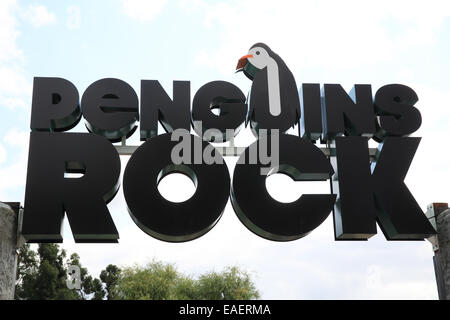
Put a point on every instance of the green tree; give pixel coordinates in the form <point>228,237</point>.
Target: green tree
<point>231,284</point>
<point>42,276</point>
<point>97,289</point>
<point>89,285</point>
<point>186,289</point>
<point>110,277</point>
<point>155,281</point>
<point>159,281</point>
<point>27,266</point>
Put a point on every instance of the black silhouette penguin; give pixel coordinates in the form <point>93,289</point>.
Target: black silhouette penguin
<point>273,101</point>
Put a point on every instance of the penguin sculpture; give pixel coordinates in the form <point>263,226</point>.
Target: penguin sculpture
<point>273,101</point>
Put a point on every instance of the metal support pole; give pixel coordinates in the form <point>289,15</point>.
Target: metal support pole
<point>439,216</point>
<point>227,151</point>
<point>8,247</point>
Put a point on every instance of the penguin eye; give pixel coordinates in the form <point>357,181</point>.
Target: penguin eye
<point>257,53</point>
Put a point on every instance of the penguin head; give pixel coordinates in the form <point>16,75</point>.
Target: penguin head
<point>257,58</point>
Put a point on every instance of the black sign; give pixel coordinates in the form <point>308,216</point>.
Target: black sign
<point>363,192</point>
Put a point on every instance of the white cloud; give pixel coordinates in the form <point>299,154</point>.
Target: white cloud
<point>8,32</point>
<point>38,16</point>
<point>143,10</point>
<point>2,154</point>
<point>15,92</point>
<point>18,139</point>
<point>13,175</point>
<point>13,81</point>
<point>318,34</point>
<point>15,88</point>
<point>74,19</point>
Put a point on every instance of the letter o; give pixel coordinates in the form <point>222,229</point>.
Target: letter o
<point>161,218</point>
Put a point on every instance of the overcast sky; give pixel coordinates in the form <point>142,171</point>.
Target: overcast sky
<point>346,42</point>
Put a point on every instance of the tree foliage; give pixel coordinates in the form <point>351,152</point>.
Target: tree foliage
<point>110,277</point>
<point>231,284</point>
<point>156,281</point>
<point>43,274</point>
<point>159,281</point>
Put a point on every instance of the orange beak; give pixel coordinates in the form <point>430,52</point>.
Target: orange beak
<point>243,61</point>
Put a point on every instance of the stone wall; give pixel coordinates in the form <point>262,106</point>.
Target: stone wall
<point>443,228</point>
<point>8,257</point>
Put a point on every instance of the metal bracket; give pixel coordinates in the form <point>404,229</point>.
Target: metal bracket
<point>20,238</point>
<point>231,150</point>
<point>434,242</point>
<point>432,218</point>
<point>433,210</point>
<point>125,150</point>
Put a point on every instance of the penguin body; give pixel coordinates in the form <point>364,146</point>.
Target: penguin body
<point>273,101</point>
